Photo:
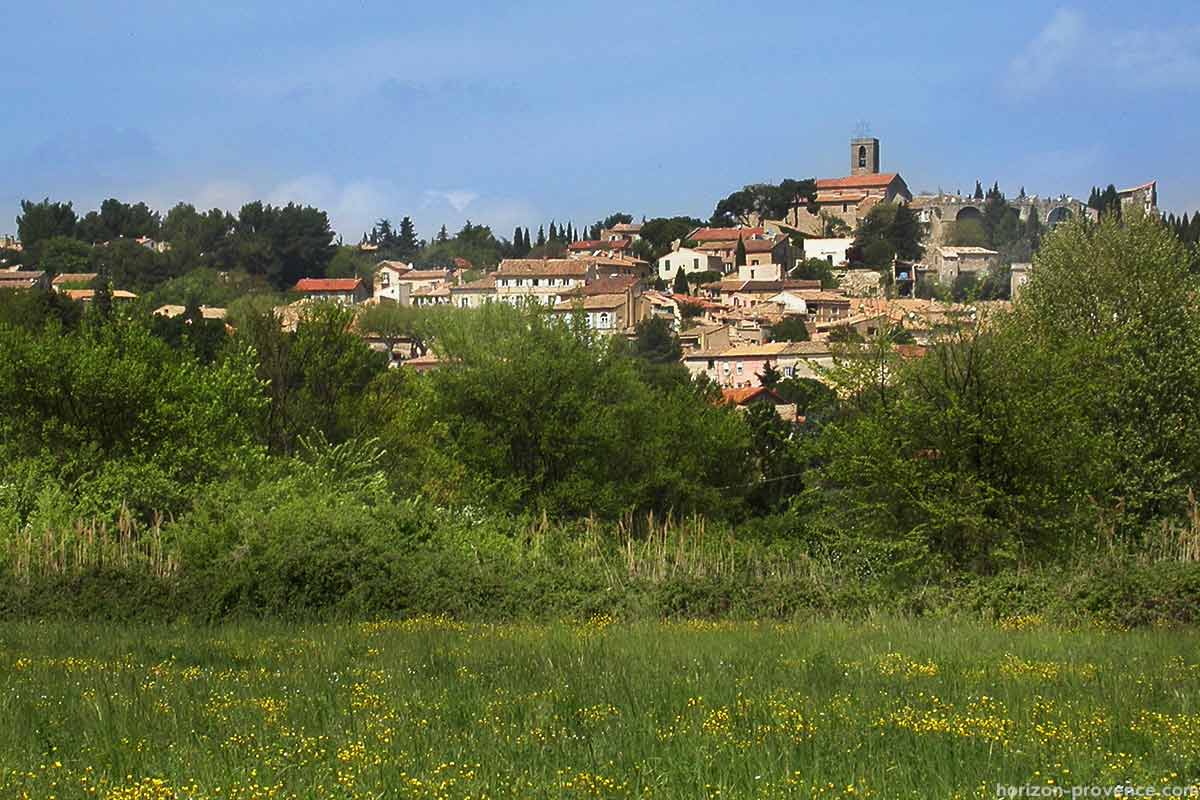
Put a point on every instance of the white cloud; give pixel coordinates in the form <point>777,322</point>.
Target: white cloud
<point>1049,54</point>
<point>458,199</point>
<point>1069,50</point>
<point>1158,59</point>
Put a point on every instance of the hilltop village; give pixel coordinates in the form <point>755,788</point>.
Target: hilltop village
<point>777,277</point>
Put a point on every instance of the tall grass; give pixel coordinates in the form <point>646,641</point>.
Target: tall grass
<point>431,708</point>
<point>41,551</point>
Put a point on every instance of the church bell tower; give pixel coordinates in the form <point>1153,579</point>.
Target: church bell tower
<point>864,156</point>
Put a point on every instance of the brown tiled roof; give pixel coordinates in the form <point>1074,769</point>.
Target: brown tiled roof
<point>627,227</point>
<point>425,275</point>
<point>873,181</point>
<point>398,266</point>
<point>484,284</point>
<point>73,277</point>
<point>88,294</point>
<point>762,245</point>
<point>589,245</point>
<point>723,234</point>
<point>596,301</point>
<point>739,397</point>
<point>826,197</point>
<point>556,267</point>
<point>328,284</point>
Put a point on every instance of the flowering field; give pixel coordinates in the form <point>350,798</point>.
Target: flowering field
<point>428,708</point>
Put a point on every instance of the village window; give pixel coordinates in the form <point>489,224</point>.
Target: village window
<point>862,156</point>
<point>666,263</point>
<point>385,279</point>
<point>535,281</point>
<point>739,368</point>
<point>464,302</point>
<point>604,319</point>
<point>695,263</point>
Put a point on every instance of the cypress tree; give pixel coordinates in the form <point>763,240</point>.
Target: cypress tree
<point>739,257</point>
<point>978,191</point>
<point>680,286</point>
<point>541,240</point>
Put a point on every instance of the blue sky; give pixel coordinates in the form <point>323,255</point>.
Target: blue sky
<point>513,113</point>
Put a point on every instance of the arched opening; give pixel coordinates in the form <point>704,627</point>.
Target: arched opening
<point>968,212</point>
<point>1060,214</point>
<point>862,155</point>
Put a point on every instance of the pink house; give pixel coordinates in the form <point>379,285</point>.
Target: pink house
<point>739,367</point>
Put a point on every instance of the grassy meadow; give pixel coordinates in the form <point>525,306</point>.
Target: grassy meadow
<point>430,708</point>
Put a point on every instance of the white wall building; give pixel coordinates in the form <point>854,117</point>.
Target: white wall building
<point>831,250</point>
<point>690,261</point>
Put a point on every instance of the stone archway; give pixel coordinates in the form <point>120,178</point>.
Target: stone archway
<point>968,212</point>
<point>1058,214</point>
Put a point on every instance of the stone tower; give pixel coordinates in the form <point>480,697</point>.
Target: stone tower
<point>864,156</point>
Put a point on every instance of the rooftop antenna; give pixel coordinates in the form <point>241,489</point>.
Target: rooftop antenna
<point>862,129</point>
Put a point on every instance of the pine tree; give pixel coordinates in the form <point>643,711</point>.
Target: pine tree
<point>442,235</point>
<point>680,286</point>
<point>770,376</point>
<point>407,244</point>
<point>978,190</point>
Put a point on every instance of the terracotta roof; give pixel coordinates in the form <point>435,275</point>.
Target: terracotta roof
<point>88,294</point>
<point>739,397</point>
<point>588,245</point>
<point>875,181</point>
<point>328,284</point>
<point>485,284</point>
<point>823,297</point>
<point>1147,185</point>
<point>425,275</point>
<point>826,197</point>
<point>525,267</point>
<point>73,277</point>
<point>432,291</point>
<point>768,350</point>
<point>463,263</point>
<point>596,301</point>
<point>763,245</point>
<point>396,266</point>
<point>723,234</point>
<point>627,227</point>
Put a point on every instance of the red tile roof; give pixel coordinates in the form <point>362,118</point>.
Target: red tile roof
<point>723,234</point>
<point>328,284</point>
<point>588,245</point>
<point>739,397</point>
<point>857,181</point>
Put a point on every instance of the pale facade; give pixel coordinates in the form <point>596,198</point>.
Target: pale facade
<point>690,261</point>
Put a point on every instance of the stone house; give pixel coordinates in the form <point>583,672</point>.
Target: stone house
<point>541,279</point>
<point>346,291</point>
